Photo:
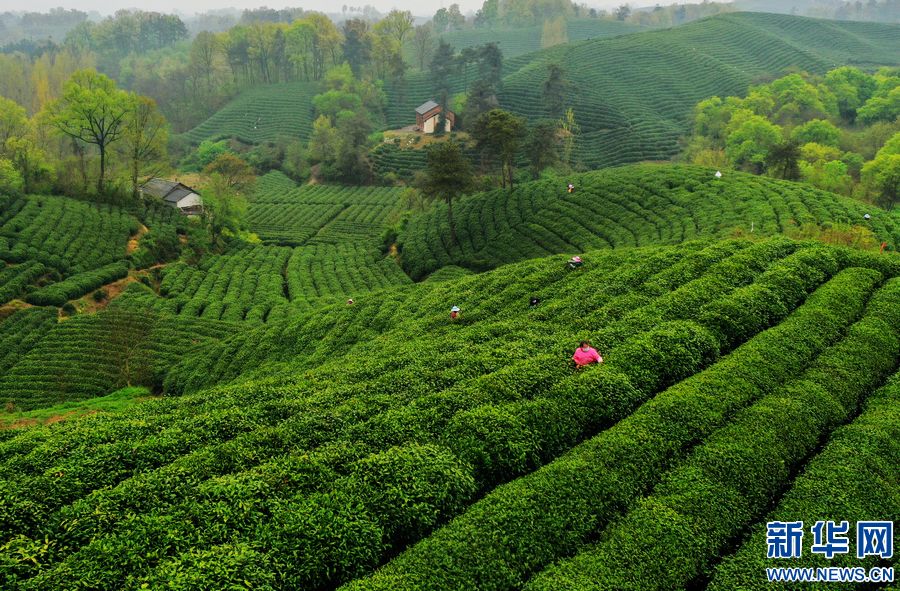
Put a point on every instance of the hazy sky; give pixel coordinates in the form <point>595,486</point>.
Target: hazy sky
<point>418,7</point>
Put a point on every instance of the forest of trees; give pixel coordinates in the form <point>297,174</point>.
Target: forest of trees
<point>156,77</point>
<point>839,132</point>
<point>95,138</point>
<point>151,54</point>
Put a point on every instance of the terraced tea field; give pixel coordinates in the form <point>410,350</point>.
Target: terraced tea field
<point>630,206</point>
<point>283,213</point>
<point>44,362</point>
<point>301,455</point>
<point>262,113</point>
<point>633,94</point>
<point>514,42</point>
<point>321,244</point>
<point>56,249</point>
<point>68,235</point>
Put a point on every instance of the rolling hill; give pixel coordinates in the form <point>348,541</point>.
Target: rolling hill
<point>514,42</point>
<point>67,247</point>
<point>323,244</point>
<point>320,245</point>
<point>270,112</point>
<point>638,205</point>
<point>295,440</point>
<point>353,432</point>
<point>633,95</point>
<point>262,113</point>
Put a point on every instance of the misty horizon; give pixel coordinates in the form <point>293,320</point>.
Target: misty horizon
<point>193,7</point>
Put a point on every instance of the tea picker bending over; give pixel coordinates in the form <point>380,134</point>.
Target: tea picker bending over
<point>586,355</point>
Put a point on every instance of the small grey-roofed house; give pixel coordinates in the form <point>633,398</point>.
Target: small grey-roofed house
<point>175,194</point>
<point>428,115</point>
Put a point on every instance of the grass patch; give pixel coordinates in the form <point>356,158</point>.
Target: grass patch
<point>112,403</point>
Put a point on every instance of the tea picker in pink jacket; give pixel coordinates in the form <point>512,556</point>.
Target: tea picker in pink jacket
<point>586,355</point>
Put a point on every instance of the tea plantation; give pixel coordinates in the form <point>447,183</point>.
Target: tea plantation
<point>630,206</point>
<point>55,249</point>
<point>632,94</point>
<point>44,362</point>
<point>311,418</point>
<point>514,42</point>
<point>262,113</point>
<point>321,244</point>
<point>301,455</point>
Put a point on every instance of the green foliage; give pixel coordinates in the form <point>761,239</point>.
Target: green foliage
<point>632,206</point>
<point>31,162</point>
<point>783,160</point>
<point>77,285</point>
<point>94,111</point>
<point>884,105</point>
<point>518,529</point>
<point>144,141</point>
<point>160,244</point>
<point>342,132</point>
<point>554,90</point>
<point>13,121</point>
<point>817,131</point>
<point>883,173</point>
<point>234,172</point>
<point>499,134</point>
<point>10,179</point>
<point>805,109</point>
<point>750,140</point>
<point>632,108</point>
<point>261,113</point>
<point>224,209</point>
<point>845,479</point>
<point>208,151</point>
<point>851,88</point>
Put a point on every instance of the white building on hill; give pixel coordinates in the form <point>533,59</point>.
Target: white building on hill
<point>175,194</point>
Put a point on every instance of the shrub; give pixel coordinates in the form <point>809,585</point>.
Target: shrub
<point>57,294</point>
<point>410,489</point>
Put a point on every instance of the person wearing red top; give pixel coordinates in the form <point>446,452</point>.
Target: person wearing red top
<point>586,355</point>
